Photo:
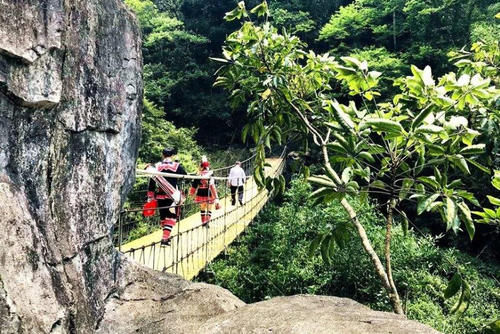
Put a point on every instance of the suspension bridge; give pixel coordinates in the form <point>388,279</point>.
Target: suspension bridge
<point>192,245</point>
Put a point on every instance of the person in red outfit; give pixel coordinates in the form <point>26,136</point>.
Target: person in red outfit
<point>204,192</point>
<point>166,192</point>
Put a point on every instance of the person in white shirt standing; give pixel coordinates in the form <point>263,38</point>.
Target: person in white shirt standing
<point>236,181</point>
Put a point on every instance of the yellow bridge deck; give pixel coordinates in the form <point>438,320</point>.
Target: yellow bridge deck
<point>193,246</point>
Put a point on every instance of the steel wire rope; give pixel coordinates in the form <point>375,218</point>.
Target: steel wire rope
<point>209,238</point>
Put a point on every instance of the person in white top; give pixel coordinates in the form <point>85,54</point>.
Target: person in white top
<point>236,181</point>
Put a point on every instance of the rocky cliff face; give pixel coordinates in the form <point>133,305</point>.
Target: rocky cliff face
<point>70,98</point>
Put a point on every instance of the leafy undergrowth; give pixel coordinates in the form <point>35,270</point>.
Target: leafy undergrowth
<point>272,259</point>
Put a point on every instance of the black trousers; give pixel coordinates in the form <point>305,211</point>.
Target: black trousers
<point>166,212</point>
<point>233,194</point>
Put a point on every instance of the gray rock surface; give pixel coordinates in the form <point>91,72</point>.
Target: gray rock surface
<point>305,314</point>
<point>70,101</point>
<point>148,301</point>
<point>151,302</point>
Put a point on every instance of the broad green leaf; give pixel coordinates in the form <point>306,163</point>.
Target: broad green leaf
<point>269,185</point>
<point>346,174</point>
<point>469,224</point>
<point>376,149</point>
<point>420,117</point>
<point>453,286</point>
<point>366,156</point>
<point>435,149</point>
<point>479,166</point>
<point>382,124</point>
<point>496,180</point>
<point>282,184</point>
<point>430,181</point>
<point>473,149</point>
<point>277,134</point>
<point>455,183</point>
<point>378,184</point>
<point>459,161</point>
<point>430,128</point>
<point>306,172</point>
<point>321,192</point>
<point>420,163</point>
<point>481,214</point>
<point>491,214</point>
<point>450,211</point>
<point>244,132</point>
<point>260,10</point>
<point>493,200</point>
<point>423,205</point>
<point>321,180</point>
<point>341,117</point>
<point>468,196</point>
<point>236,13</point>
<point>471,229</point>
<point>331,245</point>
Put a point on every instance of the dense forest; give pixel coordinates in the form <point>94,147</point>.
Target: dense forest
<point>391,112</point>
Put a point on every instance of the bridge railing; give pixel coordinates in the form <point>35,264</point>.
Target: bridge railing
<point>192,245</point>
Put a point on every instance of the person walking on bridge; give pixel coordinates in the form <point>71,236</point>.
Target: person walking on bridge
<point>204,192</point>
<point>166,192</point>
<point>236,181</point>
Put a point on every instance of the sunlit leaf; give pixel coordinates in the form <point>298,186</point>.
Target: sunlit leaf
<point>423,205</point>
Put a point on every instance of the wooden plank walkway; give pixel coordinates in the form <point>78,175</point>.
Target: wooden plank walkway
<point>193,246</point>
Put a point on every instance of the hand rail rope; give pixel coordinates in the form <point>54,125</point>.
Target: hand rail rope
<point>192,248</point>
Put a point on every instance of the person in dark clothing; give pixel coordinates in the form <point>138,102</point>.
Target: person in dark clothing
<point>166,192</point>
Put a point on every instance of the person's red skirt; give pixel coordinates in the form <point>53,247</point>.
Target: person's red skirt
<point>204,199</point>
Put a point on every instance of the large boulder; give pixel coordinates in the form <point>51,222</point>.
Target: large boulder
<point>150,302</point>
<point>147,301</point>
<point>70,101</point>
<point>305,314</point>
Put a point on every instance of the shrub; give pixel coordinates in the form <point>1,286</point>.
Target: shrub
<point>272,259</point>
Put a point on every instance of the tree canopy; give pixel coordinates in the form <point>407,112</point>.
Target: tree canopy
<point>416,146</point>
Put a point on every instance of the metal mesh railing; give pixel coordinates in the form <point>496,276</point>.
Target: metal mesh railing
<point>192,245</point>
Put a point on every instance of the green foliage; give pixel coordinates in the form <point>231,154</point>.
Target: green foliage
<point>273,259</point>
<point>491,216</point>
<point>382,60</point>
<point>157,133</point>
<point>425,125</point>
<point>294,22</point>
<point>180,35</point>
<point>419,143</point>
<point>422,31</point>
<point>141,229</point>
<point>352,21</point>
<point>177,72</point>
